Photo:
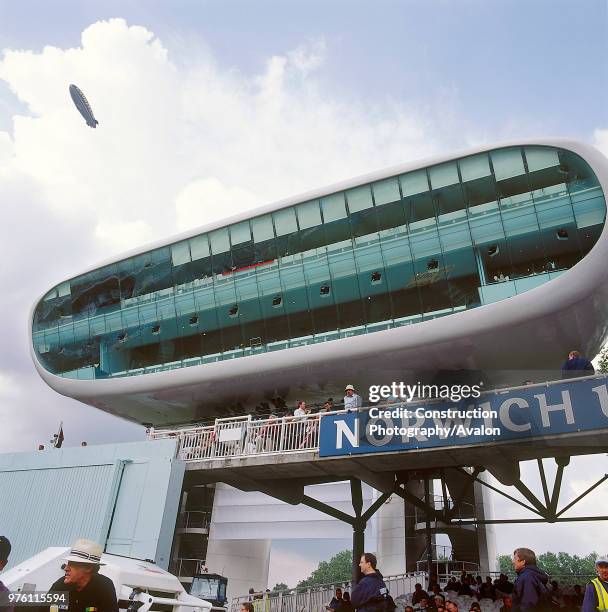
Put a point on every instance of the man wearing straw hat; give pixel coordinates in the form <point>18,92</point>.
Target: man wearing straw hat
<point>88,590</point>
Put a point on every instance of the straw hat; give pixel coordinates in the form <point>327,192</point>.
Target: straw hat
<point>85,551</point>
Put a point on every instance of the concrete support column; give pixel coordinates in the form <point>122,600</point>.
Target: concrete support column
<point>390,547</point>
<point>244,562</point>
<point>415,541</point>
<point>486,536</point>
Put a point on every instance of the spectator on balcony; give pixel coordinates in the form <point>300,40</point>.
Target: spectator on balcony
<point>268,438</point>
<point>328,406</point>
<point>576,365</point>
<point>301,411</point>
<point>351,399</point>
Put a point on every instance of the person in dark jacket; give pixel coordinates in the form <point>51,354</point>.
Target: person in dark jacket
<point>336,601</point>
<point>596,593</point>
<point>345,605</point>
<point>530,592</point>
<point>576,365</point>
<point>368,594</point>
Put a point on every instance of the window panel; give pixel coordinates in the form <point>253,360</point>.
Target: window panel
<point>443,175</point>
<point>262,229</point>
<point>386,191</point>
<point>180,253</point>
<point>359,199</point>
<point>334,207</point>
<point>414,183</point>
<point>474,167</point>
<point>507,163</point>
<point>240,233</point>
<point>199,247</point>
<point>309,215</point>
<point>539,158</point>
<point>219,241</point>
<point>285,221</point>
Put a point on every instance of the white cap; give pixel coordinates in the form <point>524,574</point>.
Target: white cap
<point>85,551</point>
<point>603,560</point>
<point>349,388</point>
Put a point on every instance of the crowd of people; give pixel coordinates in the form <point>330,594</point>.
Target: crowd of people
<point>531,591</point>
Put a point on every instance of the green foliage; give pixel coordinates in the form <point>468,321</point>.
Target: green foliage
<point>337,569</point>
<point>505,565</point>
<point>602,362</point>
<point>280,586</point>
<point>557,564</point>
<point>563,563</point>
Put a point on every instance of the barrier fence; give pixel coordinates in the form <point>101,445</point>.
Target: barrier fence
<point>244,436</point>
<point>314,599</point>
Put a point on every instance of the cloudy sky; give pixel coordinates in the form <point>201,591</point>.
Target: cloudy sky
<point>209,108</point>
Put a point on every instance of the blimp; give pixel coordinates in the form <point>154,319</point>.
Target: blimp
<point>83,106</point>
<point>492,261</point>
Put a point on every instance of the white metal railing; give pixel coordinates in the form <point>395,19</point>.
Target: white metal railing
<point>315,599</point>
<point>194,519</point>
<point>186,568</point>
<point>244,436</point>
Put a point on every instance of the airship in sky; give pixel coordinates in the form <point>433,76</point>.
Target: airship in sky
<point>83,106</point>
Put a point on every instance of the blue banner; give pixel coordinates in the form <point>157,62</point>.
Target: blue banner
<point>526,412</point>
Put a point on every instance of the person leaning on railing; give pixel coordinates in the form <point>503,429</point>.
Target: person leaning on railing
<point>268,438</point>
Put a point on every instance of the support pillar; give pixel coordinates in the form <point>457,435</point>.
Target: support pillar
<point>358,548</point>
<point>427,532</point>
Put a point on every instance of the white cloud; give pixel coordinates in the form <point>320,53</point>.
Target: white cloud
<point>289,567</point>
<point>122,236</point>
<point>600,140</point>
<point>208,200</point>
<point>178,144</point>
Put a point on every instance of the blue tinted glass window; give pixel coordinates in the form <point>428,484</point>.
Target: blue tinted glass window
<point>285,221</point>
<point>309,215</point>
<point>359,199</point>
<point>334,207</point>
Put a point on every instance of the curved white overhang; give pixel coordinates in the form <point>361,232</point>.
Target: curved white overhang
<point>532,330</point>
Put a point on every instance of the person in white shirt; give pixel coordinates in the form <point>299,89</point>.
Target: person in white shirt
<point>351,399</point>
<point>301,410</point>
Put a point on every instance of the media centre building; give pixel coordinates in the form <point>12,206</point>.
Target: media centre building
<point>490,262</point>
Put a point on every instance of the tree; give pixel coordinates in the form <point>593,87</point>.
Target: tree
<point>280,586</point>
<point>337,569</point>
<point>602,362</point>
<point>557,564</point>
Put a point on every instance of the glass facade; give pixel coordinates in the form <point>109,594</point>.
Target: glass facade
<point>394,252</point>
